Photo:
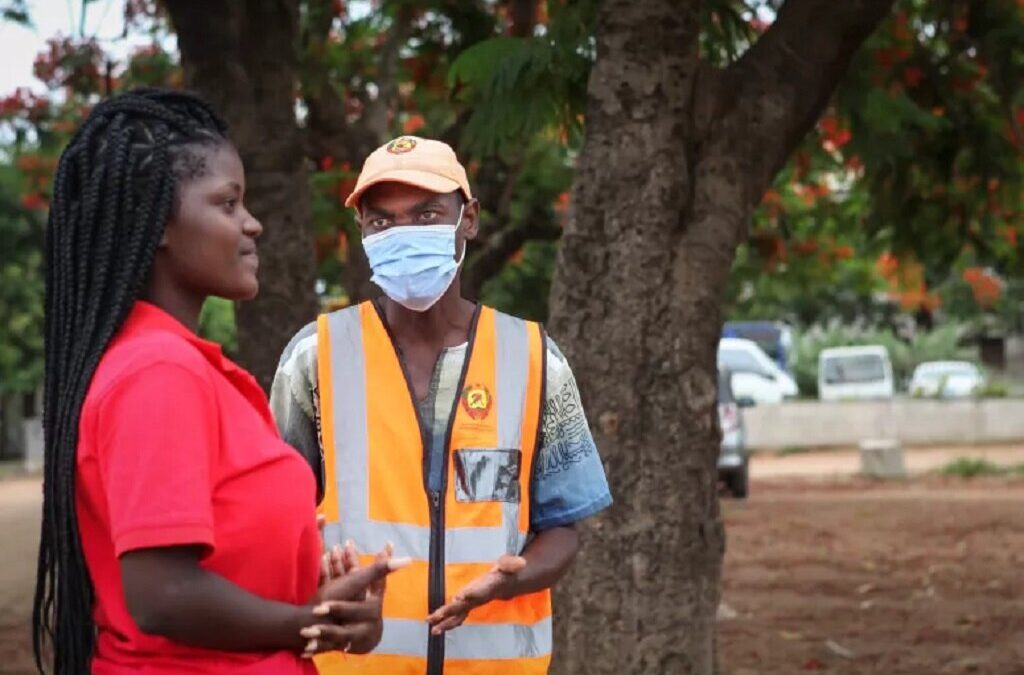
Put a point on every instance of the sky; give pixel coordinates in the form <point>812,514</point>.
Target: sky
<point>19,45</point>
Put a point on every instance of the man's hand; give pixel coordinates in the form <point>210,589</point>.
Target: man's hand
<point>497,584</point>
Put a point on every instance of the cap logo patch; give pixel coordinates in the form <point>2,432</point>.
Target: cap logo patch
<point>402,145</point>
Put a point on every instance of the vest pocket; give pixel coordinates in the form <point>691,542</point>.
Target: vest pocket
<point>487,475</point>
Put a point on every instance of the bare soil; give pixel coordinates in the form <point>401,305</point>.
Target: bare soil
<point>866,577</point>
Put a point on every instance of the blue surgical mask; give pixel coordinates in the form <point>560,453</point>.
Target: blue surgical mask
<point>414,264</point>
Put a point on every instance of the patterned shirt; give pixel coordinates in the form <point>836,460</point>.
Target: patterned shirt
<point>568,482</point>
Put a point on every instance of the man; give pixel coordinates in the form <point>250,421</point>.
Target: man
<point>450,429</point>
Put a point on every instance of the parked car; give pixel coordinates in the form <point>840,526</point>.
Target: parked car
<point>855,373</point>
<point>754,374</point>
<point>773,337</point>
<point>732,458</point>
<point>946,379</point>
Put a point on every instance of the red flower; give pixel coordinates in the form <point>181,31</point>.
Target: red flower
<point>413,124</point>
<point>912,76</point>
<point>34,201</point>
<point>985,287</point>
<point>561,204</point>
<point>844,252</point>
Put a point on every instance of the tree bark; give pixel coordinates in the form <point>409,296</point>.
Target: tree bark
<point>676,156</point>
<point>242,57</point>
<point>12,419</point>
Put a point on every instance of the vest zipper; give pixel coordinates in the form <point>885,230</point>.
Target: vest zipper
<point>435,591</point>
<point>435,646</point>
<point>435,643</point>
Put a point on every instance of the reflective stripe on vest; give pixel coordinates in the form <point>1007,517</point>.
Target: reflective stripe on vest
<point>376,491</point>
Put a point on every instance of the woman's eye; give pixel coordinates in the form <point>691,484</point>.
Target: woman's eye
<point>230,204</point>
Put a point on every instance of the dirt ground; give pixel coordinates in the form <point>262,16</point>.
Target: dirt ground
<point>861,577</point>
<point>841,576</point>
<point>20,502</point>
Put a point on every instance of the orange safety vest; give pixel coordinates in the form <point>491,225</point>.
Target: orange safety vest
<point>375,450</point>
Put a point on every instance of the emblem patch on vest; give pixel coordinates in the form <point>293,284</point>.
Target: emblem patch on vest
<point>477,401</point>
<point>402,145</point>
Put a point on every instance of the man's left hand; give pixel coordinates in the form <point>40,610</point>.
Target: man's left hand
<point>497,584</point>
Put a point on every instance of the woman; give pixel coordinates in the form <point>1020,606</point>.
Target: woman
<point>179,532</point>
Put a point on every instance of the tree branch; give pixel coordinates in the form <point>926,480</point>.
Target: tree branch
<point>778,89</point>
<point>523,14</point>
<point>501,242</point>
<point>380,109</point>
<point>328,131</point>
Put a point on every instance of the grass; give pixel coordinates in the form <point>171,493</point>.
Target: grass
<point>804,450</point>
<point>794,450</point>
<point>970,467</point>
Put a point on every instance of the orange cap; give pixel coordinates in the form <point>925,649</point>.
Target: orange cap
<point>431,165</point>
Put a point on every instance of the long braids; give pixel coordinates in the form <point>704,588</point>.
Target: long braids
<point>114,191</point>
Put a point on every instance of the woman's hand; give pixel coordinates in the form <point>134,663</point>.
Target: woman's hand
<point>351,602</point>
<point>331,561</point>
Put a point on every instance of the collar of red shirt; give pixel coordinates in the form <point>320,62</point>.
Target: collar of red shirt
<point>147,316</point>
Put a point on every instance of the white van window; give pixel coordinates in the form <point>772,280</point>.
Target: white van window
<point>854,369</point>
<point>739,361</point>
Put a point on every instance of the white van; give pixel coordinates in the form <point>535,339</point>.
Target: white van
<point>855,373</point>
<point>754,374</point>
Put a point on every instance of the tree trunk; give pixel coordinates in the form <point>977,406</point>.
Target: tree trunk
<point>12,421</point>
<point>242,57</point>
<point>676,156</point>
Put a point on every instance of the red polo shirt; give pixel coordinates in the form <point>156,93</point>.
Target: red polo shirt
<point>177,447</point>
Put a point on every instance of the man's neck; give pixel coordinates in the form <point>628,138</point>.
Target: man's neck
<point>445,324</point>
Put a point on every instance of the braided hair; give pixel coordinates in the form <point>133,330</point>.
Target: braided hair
<point>115,187</point>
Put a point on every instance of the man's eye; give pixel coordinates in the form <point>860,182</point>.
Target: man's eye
<point>429,215</point>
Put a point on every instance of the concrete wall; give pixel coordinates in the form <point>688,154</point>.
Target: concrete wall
<point>34,444</point>
<point>913,422</point>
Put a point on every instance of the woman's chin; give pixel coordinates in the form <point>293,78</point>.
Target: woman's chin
<point>246,289</point>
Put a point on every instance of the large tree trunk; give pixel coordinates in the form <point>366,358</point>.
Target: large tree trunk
<point>676,156</point>
<point>242,57</point>
<point>12,425</point>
